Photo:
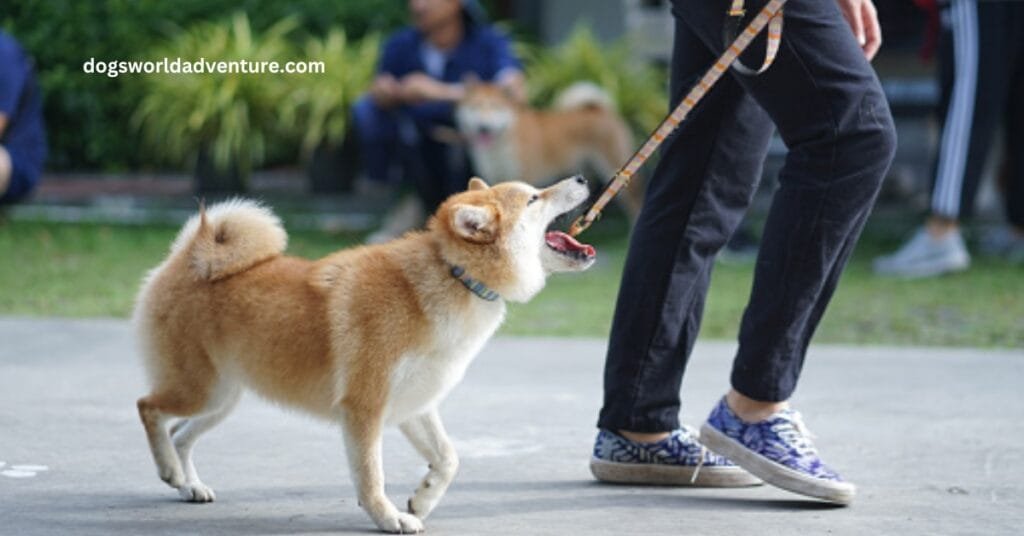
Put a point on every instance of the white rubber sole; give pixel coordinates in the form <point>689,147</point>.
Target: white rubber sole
<point>671,475</point>
<point>925,268</point>
<point>774,473</point>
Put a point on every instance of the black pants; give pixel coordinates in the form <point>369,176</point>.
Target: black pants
<point>405,137</point>
<point>828,105</point>
<point>982,79</point>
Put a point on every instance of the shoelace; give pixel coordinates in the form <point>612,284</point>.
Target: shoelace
<point>691,433</point>
<point>795,433</point>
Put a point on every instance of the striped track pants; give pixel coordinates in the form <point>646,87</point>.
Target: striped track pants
<point>982,79</point>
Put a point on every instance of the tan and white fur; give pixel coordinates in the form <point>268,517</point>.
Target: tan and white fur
<point>513,141</point>
<point>364,338</point>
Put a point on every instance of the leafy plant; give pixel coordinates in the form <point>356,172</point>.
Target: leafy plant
<point>230,114</point>
<point>317,105</point>
<point>638,89</point>
<point>93,111</point>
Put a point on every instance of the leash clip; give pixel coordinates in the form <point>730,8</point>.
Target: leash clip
<point>736,8</point>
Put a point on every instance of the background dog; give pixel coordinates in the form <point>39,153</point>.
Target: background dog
<point>511,141</point>
<point>366,337</point>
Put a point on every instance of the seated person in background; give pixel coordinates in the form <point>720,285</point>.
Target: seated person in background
<point>22,136</point>
<point>419,78</point>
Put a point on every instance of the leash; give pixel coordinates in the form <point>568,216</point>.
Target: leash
<point>771,16</point>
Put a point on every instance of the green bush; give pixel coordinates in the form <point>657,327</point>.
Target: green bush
<point>232,115</point>
<point>317,106</point>
<point>638,89</point>
<point>88,115</point>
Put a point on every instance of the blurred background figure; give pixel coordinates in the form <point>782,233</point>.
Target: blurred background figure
<point>412,99</point>
<point>981,74</point>
<point>22,135</point>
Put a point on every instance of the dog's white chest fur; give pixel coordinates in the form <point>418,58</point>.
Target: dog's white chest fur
<point>420,381</point>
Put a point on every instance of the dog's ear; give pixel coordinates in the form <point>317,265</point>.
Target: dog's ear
<point>478,224</point>
<point>476,183</point>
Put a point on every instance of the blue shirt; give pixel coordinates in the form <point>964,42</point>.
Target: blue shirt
<point>25,136</point>
<point>483,51</point>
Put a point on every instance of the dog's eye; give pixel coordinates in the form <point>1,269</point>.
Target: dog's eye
<point>533,198</point>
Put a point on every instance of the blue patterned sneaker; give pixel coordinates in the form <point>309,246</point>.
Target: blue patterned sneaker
<point>777,449</point>
<point>677,460</point>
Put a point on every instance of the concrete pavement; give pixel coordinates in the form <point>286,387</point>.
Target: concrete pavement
<point>933,437</point>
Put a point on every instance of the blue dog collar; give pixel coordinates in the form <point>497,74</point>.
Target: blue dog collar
<point>474,286</point>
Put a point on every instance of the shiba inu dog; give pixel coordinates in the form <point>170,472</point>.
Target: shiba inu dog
<point>363,338</point>
<point>507,139</point>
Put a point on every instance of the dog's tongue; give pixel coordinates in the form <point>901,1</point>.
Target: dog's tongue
<point>564,242</point>
<point>484,138</point>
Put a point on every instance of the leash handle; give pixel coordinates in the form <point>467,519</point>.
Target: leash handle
<point>771,12</point>
<point>731,30</point>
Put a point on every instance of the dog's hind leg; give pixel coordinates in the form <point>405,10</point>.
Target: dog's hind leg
<point>174,396</point>
<point>185,433</point>
<point>363,442</point>
<point>154,420</point>
<point>427,434</point>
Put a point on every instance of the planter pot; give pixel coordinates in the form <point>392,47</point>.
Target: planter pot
<point>332,168</point>
<point>209,179</point>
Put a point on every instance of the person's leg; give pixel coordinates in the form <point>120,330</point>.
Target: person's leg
<point>1015,126</point>
<point>389,141</point>
<point>696,197</point>
<point>377,131</point>
<point>440,172</point>
<point>433,168</point>
<point>952,45</point>
<point>984,88</point>
<point>830,110</point>
<point>974,78</point>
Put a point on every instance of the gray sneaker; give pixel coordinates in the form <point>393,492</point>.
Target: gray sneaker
<point>1005,243</point>
<point>926,256</point>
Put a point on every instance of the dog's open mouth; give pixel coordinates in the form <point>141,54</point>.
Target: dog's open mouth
<point>568,246</point>
<point>484,137</point>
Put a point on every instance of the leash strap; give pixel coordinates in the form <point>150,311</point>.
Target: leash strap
<point>771,16</point>
<point>731,30</point>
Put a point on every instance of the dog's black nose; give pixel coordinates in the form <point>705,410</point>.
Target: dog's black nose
<point>580,180</point>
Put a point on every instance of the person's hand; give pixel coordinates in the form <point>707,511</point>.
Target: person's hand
<point>386,91</point>
<point>418,87</point>
<point>863,20</point>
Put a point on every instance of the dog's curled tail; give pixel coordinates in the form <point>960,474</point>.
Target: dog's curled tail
<point>584,95</point>
<point>230,237</point>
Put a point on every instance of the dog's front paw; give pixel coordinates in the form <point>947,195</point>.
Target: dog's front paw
<point>421,504</point>
<point>401,523</point>
<point>197,493</point>
<point>173,476</point>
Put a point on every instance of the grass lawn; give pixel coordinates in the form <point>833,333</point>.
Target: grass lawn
<point>94,270</point>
